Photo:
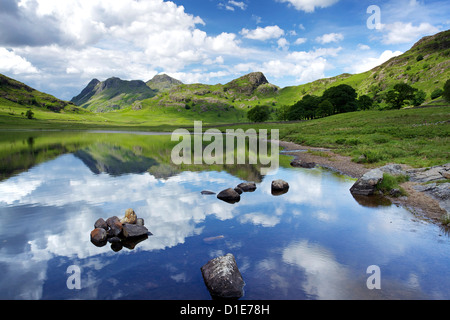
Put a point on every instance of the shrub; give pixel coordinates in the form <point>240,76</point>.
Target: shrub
<point>29,114</point>
<point>259,114</point>
<point>436,94</point>
<point>446,92</point>
<point>419,57</point>
<point>390,182</point>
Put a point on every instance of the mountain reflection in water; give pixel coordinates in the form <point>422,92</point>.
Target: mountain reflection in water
<point>314,242</point>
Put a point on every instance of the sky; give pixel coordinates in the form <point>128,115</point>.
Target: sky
<point>58,46</point>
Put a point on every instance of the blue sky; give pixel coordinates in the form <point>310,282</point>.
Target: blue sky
<point>58,46</point>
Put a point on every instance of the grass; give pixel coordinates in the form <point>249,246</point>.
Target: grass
<point>390,183</point>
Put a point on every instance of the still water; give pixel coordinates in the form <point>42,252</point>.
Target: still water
<point>314,242</point>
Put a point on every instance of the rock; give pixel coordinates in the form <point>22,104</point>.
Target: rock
<point>247,186</point>
<point>115,226</point>
<point>303,164</point>
<point>223,278</point>
<point>366,185</point>
<point>395,193</point>
<point>130,217</point>
<point>229,195</point>
<point>100,223</point>
<point>238,190</point>
<point>279,187</point>
<point>429,174</point>
<point>205,192</point>
<point>98,237</point>
<point>393,169</point>
<point>439,191</point>
<point>140,221</point>
<point>133,230</point>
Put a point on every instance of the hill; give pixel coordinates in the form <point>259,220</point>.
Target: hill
<point>162,82</point>
<point>15,94</point>
<point>112,94</point>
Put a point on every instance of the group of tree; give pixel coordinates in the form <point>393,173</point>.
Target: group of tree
<point>338,99</point>
<point>343,98</point>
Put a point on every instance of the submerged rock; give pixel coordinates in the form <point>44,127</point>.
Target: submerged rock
<point>229,195</point>
<point>134,230</point>
<point>279,187</point>
<point>206,192</point>
<point>303,164</point>
<point>223,278</point>
<point>247,186</point>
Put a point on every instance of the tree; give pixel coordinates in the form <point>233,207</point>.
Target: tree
<point>364,102</point>
<point>283,113</point>
<point>29,114</point>
<point>305,108</point>
<point>419,98</point>
<point>259,114</point>
<point>436,94</point>
<point>396,97</point>
<point>324,109</point>
<point>342,97</point>
<point>446,93</point>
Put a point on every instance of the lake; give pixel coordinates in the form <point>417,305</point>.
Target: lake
<point>314,242</point>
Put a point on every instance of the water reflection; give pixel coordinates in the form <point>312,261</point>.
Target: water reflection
<point>314,242</point>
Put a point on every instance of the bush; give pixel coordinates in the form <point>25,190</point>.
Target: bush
<point>419,57</point>
<point>446,92</point>
<point>259,114</point>
<point>436,94</point>
<point>390,182</point>
<point>29,114</point>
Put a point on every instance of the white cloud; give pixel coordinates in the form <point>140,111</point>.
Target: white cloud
<point>239,4</point>
<point>310,5</point>
<point>400,32</point>
<point>283,43</point>
<point>300,41</point>
<point>368,63</point>
<point>330,37</point>
<point>363,46</point>
<point>269,32</point>
<point>11,62</point>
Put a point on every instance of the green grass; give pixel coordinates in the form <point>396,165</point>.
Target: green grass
<point>390,182</point>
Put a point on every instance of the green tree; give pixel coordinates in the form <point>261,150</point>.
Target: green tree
<point>436,94</point>
<point>305,108</point>
<point>259,114</point>
<point>324,109</point>
<point>364,102</point>
<point>446,93</point>
<point>283,113</point>
<point>342,97</point>
<point>419,98</point>
<point>396,97</point>
<point>29,114</point>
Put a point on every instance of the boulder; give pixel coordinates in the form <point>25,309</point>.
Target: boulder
<point>367,184</point>
<point>100,223</point>
<point>247,186</point>
<point>223,278</point>
<point>303,164</point>
<point>115,226</point>
<point>98,237</point>
<point>229,195</point>
<point>206,192</point>
<point>279,187</point>
<point>238,190</point>
<point>130,217</point>
<point>134,230</point>
<point>140,221</point>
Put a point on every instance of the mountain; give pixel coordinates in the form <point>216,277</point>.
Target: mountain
<point>112,94</point>
<point>162,82</point>
<point>18,93</point>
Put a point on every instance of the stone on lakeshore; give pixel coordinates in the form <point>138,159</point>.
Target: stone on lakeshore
<point>247,186</point>
<point>303,164</point>
<point>130,217</point>
<point>229,195</point>
<point>98,237</point>
<point>367,184</point>
<point>223,278</point>
<point>279,187</point>
<point>206,192</point>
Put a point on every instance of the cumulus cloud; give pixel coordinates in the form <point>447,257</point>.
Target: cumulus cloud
<point>369,63</point>
<point>309,5</point>
<point>330,37</point>
<point>400,32</point>
<point>269,32</point>
<point>11,62</point>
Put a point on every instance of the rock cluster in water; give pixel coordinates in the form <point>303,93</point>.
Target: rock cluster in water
<point>126,232</point>
<point>233,195</point>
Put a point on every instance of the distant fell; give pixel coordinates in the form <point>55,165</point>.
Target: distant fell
<point>162,82</point>
<point>112,94</point>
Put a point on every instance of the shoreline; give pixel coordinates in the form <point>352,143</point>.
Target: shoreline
<point>418,203</point>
